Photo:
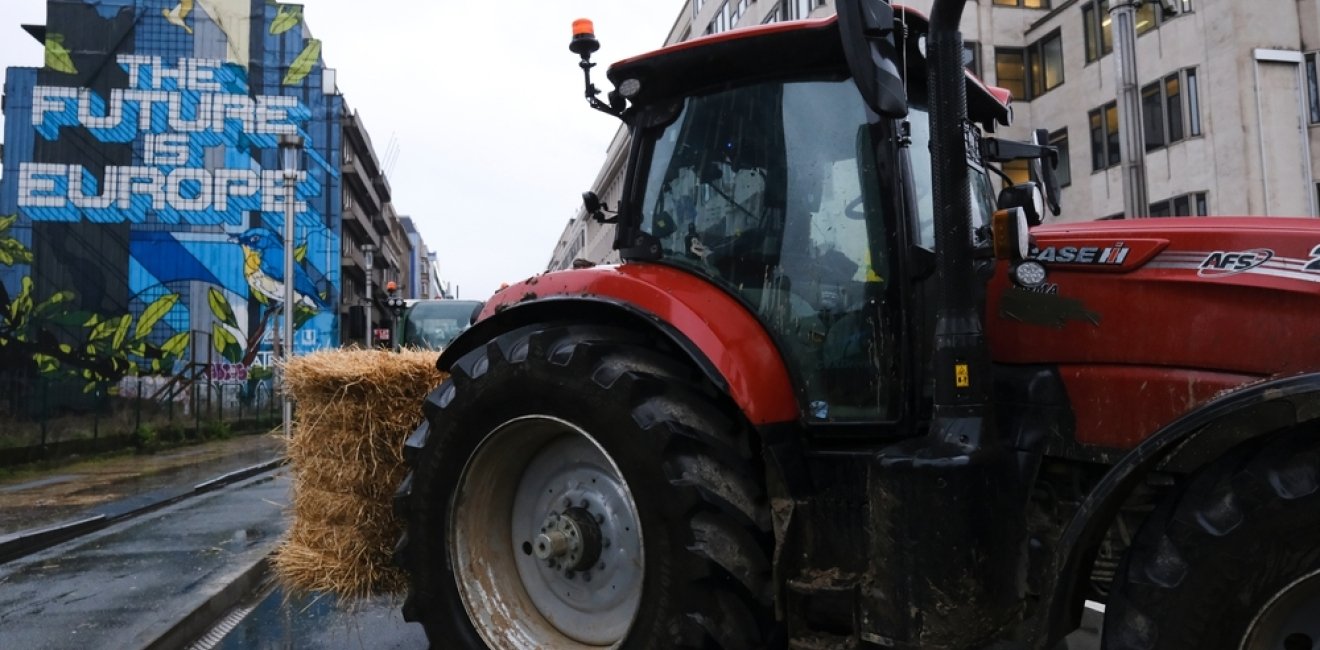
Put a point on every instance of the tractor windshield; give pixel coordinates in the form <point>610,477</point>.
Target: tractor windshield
<point>772,191</point>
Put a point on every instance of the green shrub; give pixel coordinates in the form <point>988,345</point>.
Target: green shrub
<point>146,439</point>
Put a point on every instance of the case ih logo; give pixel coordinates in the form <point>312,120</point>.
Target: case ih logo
<point>1115,255</point>
<point>1230,262</point>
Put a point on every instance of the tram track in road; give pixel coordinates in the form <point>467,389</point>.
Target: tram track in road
<point>27,542</point>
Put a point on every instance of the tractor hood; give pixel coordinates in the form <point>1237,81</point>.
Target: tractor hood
<point>1239,295</point>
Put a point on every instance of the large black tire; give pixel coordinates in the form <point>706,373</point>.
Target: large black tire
<point>690,467</point>
<point>1232,561</point>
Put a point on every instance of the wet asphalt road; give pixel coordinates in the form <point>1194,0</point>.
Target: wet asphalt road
<point>129,584</point>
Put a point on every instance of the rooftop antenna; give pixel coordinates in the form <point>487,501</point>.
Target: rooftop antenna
<point>391,154</point>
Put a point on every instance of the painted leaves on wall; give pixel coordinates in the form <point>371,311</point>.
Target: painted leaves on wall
<point>12,251</point>
<point>57,57</point>
<point>286,20</point>
<point>302,66</point>
<point>222,335</point>
<point>49,336</point>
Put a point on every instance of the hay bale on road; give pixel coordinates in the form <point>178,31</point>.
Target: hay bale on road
<point>355,409</point>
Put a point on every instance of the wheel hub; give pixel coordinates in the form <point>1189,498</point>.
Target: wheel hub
<point>569,541</point>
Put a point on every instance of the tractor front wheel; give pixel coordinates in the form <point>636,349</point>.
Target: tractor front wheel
<point>576,488</point>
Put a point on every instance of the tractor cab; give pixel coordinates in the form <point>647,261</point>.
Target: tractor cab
<point>758,164</point>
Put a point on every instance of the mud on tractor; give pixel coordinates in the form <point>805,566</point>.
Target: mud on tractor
<point>840,394</point>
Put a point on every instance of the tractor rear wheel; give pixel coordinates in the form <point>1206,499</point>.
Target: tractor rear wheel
<point>575,488</point>
<point>1233,562</point>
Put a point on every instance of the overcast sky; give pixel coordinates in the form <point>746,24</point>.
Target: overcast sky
<point>484,102</point>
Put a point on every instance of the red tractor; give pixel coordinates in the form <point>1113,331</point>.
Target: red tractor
<point>839,395</point>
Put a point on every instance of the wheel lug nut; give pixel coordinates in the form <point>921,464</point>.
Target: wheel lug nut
<point>568,503</point>
<point>586,576</point>
<point>585,504</point>
<point>569,574</point>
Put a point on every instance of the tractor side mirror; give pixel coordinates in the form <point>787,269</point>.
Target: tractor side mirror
<point>866,28</point>
<point>1044,170</point>
<point>594,207</point>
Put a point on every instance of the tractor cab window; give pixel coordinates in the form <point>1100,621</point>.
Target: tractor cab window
<point>771,192</point>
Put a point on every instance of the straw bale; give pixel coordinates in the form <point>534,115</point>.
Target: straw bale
<point>355,409</point>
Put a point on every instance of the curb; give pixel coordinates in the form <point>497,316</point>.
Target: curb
<point>27,542</point>
<point>24,543</point>
<point>197,622</point>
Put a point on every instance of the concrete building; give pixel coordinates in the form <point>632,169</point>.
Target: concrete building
<point>422,268</point>
<point>1230,98</point>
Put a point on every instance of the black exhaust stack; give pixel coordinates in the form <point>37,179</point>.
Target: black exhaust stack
<point>961,363</point>
<point>947,509</point>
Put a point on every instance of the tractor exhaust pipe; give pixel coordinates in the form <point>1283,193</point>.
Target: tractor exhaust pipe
<point>953,579</point>
<point>961,358</point>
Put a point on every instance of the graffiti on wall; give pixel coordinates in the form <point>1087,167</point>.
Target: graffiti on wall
<point>155,170</point>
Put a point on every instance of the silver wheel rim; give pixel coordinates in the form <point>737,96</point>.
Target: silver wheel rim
<point>1290,620</point>
<point>545,539</point>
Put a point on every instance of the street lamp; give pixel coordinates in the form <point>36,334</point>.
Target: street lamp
<point>368,251</point>
<point>290,148</point>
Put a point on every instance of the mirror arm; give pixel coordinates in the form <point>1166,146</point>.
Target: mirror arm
<point>996,150</point>
<point>615,106</point>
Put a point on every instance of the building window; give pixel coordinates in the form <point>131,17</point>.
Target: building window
<point>1028,4</point>
<point>1017,170</point>
<point>1045,64</point>
<point>1162,109</point>
<point>720,22</point>
<point>1098,30</point>
<point>1193,103</point>
<point>798,9</point>
<point>1105,137</point>
<point>1184,205</point>
<point>1011,71</point>
<point>1312,88</point>
<point>1173,107</point>
<point>1096,27</point>
<point>1152,111</point>
<point>1145,18</point>
<point>696,7</point>
<point>1031,72</point>
<point>735,10</point>
<point>1059,140</point>
<point>972,57</point>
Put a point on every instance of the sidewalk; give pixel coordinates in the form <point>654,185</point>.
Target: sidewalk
<point>109,486</point>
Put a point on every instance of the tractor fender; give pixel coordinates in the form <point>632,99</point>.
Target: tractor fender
<point>720,335</point>
<point>1184,445</point>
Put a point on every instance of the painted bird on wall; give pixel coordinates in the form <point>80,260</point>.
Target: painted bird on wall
<point>263,266</point>
<point>178,14</point>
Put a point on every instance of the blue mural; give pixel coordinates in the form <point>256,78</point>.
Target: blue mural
<point>142,204</point>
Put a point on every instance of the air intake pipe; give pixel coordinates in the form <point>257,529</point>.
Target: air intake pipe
<point>947,510</point>
<point>961,356</point>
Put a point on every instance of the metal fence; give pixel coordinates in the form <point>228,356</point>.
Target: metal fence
<point>42,417</point>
